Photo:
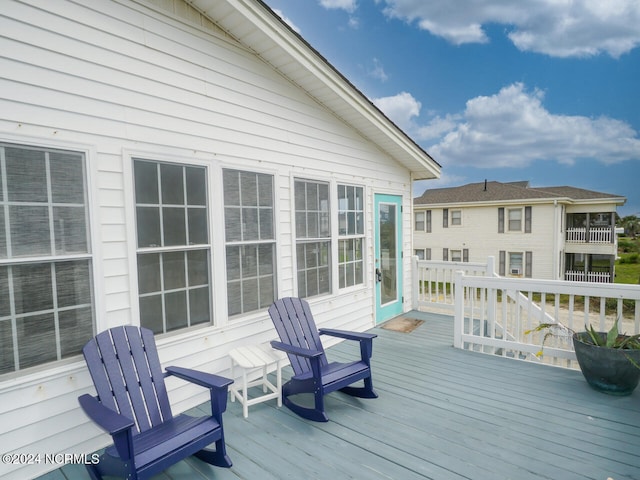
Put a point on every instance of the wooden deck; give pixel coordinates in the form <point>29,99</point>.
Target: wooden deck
<point>442,414</point>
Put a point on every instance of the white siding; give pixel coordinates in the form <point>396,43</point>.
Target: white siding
<point>117,79</point>
<point>479,234</point>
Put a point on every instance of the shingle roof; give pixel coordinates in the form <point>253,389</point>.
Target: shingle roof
<point>497,191</point>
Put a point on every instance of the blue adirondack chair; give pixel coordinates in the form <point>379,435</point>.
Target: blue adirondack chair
<point>133,407</point>
<point>300,339</point>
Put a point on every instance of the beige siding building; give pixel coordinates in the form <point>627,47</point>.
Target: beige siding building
<point>547,232</point>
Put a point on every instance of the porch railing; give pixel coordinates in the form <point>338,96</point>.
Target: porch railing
<point>594,235</point>
<point>433,281</point>
<point>495,315</point>
<point>492,313</point>
<point>578,276</point>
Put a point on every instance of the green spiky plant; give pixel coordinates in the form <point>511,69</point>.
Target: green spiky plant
<point>613,339</point>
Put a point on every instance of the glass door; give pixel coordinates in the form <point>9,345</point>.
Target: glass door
<point>388,256</point>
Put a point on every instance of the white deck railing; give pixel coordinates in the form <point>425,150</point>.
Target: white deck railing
<point>578,276</point>
<point>493,314</point>
<point>433,281</point>
<point>596,235</point>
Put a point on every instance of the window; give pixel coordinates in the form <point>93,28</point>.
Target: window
<point>422,253</point>
<point>46,293</point>
<point>350,235</point>
<point>515,263</point>
<point>250,240</point>
<point>173,245</point>
<point>515,219</point>
<point>456,217</point>
<point>313,237</point>
<point>456,255</point>
<point>419,221</point>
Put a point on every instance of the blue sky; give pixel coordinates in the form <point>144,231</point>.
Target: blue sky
<point>508,90</point>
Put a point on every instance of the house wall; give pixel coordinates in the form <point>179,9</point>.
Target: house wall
<point>479,234</point>
<point>116,79</point>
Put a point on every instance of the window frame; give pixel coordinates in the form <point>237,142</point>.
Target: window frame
<point>357,236</point>
<point>520,220</point>
<point>423,222</point>
<point>456,218</point>
<point>520,266</point>
<point>335,238</point>
<point>87,259</point>
<point>186,249</point>
<point>324,245</point>
<point>251,242</point>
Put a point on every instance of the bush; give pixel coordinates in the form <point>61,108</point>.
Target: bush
<point>631,258</point>
<point>627,245</point>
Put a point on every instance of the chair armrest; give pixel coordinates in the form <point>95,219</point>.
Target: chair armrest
<point>301,352</point>
<point>107,419</point>
<point>365,339</point>
<point>347,334</point>
<point>217,385</point>
<point>204,379</point>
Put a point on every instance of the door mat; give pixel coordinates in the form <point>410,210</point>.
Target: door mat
<point>402,324</point>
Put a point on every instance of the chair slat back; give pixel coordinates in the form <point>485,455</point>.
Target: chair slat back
<point>125,368</point>
<point>294,323</point>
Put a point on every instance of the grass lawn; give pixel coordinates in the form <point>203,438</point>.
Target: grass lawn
<point>628,265</point>
<point>627,273</point>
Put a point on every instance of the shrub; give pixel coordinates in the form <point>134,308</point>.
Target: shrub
<point>627,245</point>
<point>631,258</point>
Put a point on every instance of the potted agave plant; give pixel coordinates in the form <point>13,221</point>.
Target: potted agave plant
<point>609,361</point>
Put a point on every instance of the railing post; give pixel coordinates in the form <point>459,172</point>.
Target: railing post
<point>458,317</point>
<point>415,284</point>
<point>492,294</point>
<point>491,266</point>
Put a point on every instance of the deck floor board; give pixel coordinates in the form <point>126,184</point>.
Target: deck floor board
<point>442,414</point>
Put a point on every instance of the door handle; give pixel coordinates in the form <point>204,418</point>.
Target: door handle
<point>378,275</point>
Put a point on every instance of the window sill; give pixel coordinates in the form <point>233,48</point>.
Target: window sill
<point>70,369</point>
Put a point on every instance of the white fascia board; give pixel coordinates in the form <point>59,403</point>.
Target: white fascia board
<point>496,203</point>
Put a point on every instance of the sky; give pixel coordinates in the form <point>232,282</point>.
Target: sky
<point>508,90</point>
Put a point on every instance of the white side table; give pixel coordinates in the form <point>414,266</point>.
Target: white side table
<point>249,359</point>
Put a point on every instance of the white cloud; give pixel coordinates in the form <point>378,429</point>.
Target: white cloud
<point>348,5</point>
<point>554,27</point>
<point>401,109</point>
<point>513,129</point>
<point>446,180</point>
<point>377,71</point>
<point>287,20</point>
<point>354,22</point>
<point>438,127</point>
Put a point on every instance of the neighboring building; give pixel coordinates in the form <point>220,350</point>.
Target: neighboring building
<point>547,232</point>
<point>179,165</point>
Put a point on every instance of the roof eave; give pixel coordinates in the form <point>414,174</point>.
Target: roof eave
<point>286,51</point>
<point>618,201</point>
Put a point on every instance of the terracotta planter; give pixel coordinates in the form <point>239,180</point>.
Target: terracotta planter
<point>607,370</point>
